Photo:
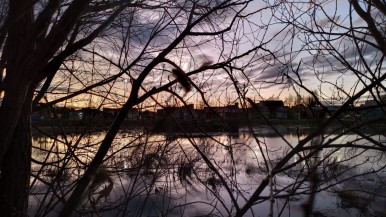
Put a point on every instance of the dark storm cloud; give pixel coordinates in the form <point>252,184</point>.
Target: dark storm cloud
<point>141,26</point>
<point>62,89</point>
<point>267,86</point>
<point>345,54</point>
<point>272,72</point>
<point>279,73</point>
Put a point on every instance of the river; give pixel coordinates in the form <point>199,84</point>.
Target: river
<point>207,174</point>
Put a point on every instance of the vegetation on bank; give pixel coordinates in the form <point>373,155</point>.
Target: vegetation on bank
<point>168,125</point>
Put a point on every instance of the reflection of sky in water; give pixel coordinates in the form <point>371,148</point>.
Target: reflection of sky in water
<point>240,157</point>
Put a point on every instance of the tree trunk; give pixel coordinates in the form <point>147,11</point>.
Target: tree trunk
<point>16,167</point>
<point>10,111</point>
<point>17,54</point>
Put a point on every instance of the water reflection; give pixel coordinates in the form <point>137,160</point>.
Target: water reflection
<point>179,175</point>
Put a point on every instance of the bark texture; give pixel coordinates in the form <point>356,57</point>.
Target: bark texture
<point>16,167</point>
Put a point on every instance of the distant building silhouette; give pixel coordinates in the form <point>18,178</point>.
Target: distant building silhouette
<point>273,109</point>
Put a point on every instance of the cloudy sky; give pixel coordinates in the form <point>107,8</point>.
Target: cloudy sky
<point>313,49</point>
<point>291,43</point>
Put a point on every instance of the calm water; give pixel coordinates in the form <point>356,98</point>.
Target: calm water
<point>167,175</point>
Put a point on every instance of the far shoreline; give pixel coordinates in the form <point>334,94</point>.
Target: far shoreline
<point>260,127</point>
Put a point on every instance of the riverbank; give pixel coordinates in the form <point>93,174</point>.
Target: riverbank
<point>303,126</point>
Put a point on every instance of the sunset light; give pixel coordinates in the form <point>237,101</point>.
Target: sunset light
<point>192,108</point>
